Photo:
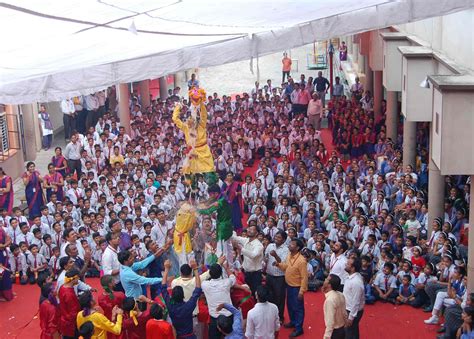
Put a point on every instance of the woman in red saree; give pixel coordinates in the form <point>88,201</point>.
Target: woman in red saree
<point>6,293</point>
<point>109,299</point>
<point>53,182</point>
<point>232,190</point>
<point>68,305</point>
<point>59,161</point>
<point>6,191</point>
<point>49,313</point>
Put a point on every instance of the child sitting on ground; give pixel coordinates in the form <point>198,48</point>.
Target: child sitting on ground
<point>406,291</point>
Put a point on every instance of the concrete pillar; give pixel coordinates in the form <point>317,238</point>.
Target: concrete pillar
<point>435,194</point>
<point>392,115</point>
<point>409,143</point>
<point>163,88</point>
<point>355,53</point>
<point>470,254</point>
<point>180,80</point>
<point>361,62</point>
<point>349,44</point>
<point>145,93</point>
<point>369,76</point>
<point>30,122</point>
<point>378,93</point>
<point>124,107</point>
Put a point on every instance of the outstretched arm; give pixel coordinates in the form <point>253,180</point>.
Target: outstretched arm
<point>203,115</point>
<point>140,265</point>
<point>175,117</point>
<point>214,207</point>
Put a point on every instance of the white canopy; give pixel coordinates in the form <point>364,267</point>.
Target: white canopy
<point>54,49</point>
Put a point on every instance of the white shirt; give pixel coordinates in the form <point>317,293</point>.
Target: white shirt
<point>67,106</point>
<point>110,263</point>
<point>188,285</point>
<point>262,321</point>
<point>217,291</point>
<point>354,293</point>
<point>282,252</point>
<point>252,252</point>
<point>337,266</point>
<point>80,249</point>
<point>159,232</point>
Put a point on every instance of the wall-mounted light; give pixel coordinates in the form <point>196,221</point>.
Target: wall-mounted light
<point>425,83</point>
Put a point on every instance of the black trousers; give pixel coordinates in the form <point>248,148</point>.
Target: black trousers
<point>452,320</point>
<point>69,122</point>
<point>352,332</point>
<point>338,333</point>
<point>285,73</point>
<point>253,279</point>
<point>75,165</point>
<point>277,287</point>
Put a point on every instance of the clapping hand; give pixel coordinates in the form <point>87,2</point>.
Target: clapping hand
<point>116,310</point>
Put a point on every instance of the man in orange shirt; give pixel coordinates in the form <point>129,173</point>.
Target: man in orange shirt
<point>286,67</point>
<point>296,277</point>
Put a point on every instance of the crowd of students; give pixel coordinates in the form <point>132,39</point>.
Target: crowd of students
<point>107,207</point>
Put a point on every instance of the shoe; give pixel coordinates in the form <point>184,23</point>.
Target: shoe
<point>428,309</point>
<point>288,325</point>
<point>296,333</point>
<point>441,330</point>
<point>432,321</point>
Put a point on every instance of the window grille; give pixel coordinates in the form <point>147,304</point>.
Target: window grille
<point>4,145</point>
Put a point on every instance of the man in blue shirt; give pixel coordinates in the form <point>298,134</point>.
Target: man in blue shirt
<point>130,280</point>
<point>230,327</point>
<point>321,86</point>
<point>156,266</point>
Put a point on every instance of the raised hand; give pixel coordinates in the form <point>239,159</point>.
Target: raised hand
<point>193,264</point>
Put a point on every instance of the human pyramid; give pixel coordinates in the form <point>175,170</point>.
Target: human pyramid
<point>166,206</point>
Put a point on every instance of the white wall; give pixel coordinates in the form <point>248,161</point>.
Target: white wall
<point>56,116</point>
<point>452,34</point>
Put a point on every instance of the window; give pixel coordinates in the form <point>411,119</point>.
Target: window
<point>9,132</point>
<point>3,133</point>
<point>437,123</point>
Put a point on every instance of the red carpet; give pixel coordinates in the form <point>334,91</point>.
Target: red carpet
<point>380,320</point>
<point>19,317</point>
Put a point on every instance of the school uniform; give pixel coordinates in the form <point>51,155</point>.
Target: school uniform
<point>18,265</point>
<point>259,193</point>
<point>34,261</point>
<point>47,251</point>
<point>384,283</point>
<point>15,234</point>
<point>53,265</point>
<point>74,194</point>
<point>271,231</point>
